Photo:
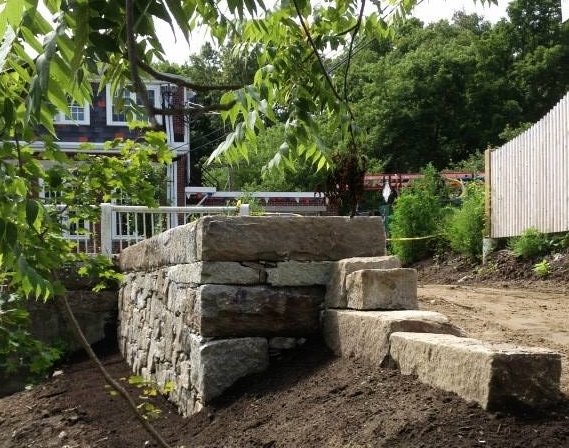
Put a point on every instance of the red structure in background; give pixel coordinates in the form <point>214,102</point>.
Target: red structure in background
<point>376,182</point>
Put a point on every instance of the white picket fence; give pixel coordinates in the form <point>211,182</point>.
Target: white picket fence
<point>527,178</point>
<point>123,225</point>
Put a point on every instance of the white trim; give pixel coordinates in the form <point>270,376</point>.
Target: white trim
<point>94,148</point>
<point>266,195</point>
<point>172,183</point>
<point>128,95</point>
<point>61,118</point>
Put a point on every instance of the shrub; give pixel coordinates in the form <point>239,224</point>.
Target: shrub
<point>417,213</point>
<point>543,268</point>
<point>465,227</point>
<point>531,243</point>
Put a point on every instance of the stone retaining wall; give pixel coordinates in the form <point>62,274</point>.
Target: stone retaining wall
<point>202,304</point>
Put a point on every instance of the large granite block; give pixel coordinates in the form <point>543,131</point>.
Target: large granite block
<point>382,289</point>
<point>279,238</point>
<point>216,272</point>
<point>253,238</point>
<point>497,376</point>
<point>365,334</point>
<point>233,311</point>
<point>299,273</point>
<point>174,246</point>
<point>216,365</point>
<point>336,290</point>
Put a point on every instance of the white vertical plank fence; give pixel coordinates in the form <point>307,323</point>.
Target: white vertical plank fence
<point>529,178</point>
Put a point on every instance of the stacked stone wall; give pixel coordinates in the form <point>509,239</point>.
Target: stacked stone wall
<point>202,304</point>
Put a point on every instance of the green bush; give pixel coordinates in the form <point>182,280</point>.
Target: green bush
<point>531,243</point>
<point>465,227</point>
<point>417,213</point>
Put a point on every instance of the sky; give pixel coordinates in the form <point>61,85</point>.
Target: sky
<point>177,50</point>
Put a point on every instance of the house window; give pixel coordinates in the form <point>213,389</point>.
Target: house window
<point>78,114</point>
<point>121,110</point>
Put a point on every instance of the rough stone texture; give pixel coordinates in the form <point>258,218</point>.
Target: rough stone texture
<point>254,238</point>
<point>220,363</point>
<point>497,376</point>
<point>174,246</point>
<point>300,273</point>
<point>232,311</point>
<point>382,289</point>
<point>279,238</point>
<point>365,334</point>
<point>158,344</point>
<point>336,291</point>
<point>217,272</point>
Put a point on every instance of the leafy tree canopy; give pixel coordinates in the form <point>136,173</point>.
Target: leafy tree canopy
<point>117,42</point>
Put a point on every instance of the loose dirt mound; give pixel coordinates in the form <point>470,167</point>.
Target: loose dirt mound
<point>310,399</point>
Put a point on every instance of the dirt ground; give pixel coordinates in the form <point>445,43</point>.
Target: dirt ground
<point>310,399</point>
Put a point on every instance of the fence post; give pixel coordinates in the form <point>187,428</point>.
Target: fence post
<point>488,244</point>
<point>244,210</point>
<point>106,229</point>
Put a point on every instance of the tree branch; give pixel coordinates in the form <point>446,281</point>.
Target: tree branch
<point>320,62</point>
<point>180,81</point>
<point>351,49</point>
<point>195,110</point>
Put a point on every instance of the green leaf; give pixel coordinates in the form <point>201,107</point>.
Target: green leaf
<point>181,18</point>
<point>33,214</point>
<point>12,12</point>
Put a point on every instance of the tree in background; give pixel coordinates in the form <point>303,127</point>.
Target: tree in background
<point>442,92</point>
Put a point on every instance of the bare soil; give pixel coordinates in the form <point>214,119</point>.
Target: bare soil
<point>308,398</point>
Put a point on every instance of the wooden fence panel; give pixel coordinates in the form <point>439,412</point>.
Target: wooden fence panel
<point>528,178</point>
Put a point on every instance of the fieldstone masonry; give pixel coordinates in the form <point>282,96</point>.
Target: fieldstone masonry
<point>204,304</point>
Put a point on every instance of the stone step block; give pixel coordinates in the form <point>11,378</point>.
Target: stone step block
<point>365,334</point>
<point>336,290</point>
<point>382,289</point>
<point>497,376</point>
<point>233,311</point>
